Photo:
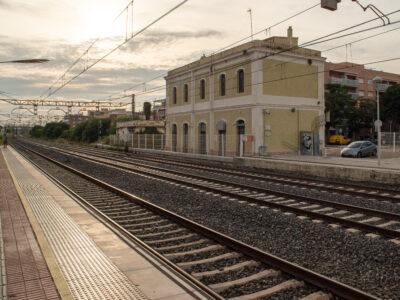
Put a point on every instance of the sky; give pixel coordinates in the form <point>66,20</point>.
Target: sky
<point>62,30</point>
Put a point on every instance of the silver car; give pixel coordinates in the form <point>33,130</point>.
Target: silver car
<point>359,149</point>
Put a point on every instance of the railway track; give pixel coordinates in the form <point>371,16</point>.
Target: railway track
<point>355,190</point>
<point>222,267</point>
<point>371,222</point>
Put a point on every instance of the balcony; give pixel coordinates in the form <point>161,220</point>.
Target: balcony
<point>344,81</point>
<point>354,96</point>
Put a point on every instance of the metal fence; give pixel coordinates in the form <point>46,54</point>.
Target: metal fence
<point>218,144</point>
<point>391,141</point>
<point>140,141</point>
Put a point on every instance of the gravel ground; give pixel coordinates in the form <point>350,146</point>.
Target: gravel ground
<point>329,196</point>
<point>372,265</point>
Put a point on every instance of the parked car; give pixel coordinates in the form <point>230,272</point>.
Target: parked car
<point>338,139</point>
<point>359,149</point>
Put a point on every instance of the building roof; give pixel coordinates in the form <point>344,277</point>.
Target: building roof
<point>275,44</point>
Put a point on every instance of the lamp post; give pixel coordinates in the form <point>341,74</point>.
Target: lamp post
<point>377,82</point>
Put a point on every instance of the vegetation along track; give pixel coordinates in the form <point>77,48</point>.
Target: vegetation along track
<point>370,221</point>
<point>357,190</point>
<point>226,267</point>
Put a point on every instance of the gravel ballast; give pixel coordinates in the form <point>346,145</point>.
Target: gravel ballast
<point>372,265</point>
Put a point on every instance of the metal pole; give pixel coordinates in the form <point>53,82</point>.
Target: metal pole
<point>379,125</point>
<point>251,22</point>
<point>394,141</point>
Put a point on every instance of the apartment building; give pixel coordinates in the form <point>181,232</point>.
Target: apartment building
<point>254,98</point>
<point>358,79</point>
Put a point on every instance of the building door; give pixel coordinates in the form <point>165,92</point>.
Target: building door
<point>221,128</point>
<point>241,131</point>
<point>202,138</point>
<point>174,137</point>
<point>185,138</point>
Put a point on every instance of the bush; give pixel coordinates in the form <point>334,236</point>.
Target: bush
<point>54,130</point>
<point>36,131</point>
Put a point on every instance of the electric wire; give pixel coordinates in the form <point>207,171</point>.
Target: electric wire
<point>322,39</point>
<point>84,53</point>
<point>116,48</point>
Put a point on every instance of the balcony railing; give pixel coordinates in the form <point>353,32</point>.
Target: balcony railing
<point>344,81</point>
<point>354,96</point>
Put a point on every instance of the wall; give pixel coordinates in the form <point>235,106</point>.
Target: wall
<point>283,127</point>
<point>302,79</point>
<point>232,82</point>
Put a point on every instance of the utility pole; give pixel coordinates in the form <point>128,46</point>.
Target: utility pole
<point>133,104</point>
<point>378,124</point>
<point>251,22</point>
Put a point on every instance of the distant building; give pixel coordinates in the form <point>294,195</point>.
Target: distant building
<point>126,129</point>
<point>73,120</point>
<point>358,79</point>
<point>159,109</point>
<point>108,114</point>
<point>254,98</point>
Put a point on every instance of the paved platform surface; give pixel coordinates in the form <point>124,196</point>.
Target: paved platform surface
<point>23,267</point>
<point>95,263</point>
<point>366,162</point>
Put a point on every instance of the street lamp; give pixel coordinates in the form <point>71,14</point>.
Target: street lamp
<point>377,83</point>
<point>25,61</point>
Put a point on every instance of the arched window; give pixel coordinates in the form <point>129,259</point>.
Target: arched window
<point>202,89</point>
<point>185,137</point>
<point>241,131</point>
<point>186,93</point>
<point>174,95</point>
<point>202,138</point>
<point>240,81</point>
<point>174,137</point>
<point>222,85</point>
<point>221,128</point>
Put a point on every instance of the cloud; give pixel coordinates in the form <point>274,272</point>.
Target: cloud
<point>162,38</point>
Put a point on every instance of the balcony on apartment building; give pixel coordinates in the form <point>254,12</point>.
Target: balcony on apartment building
<point>344,81</point>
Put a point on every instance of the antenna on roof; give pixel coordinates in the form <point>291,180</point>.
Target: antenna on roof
<point>251,22</point>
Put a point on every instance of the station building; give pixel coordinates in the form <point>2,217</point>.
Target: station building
<point>253,99</point>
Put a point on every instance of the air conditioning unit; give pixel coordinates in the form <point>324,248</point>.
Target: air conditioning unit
<point>330,4</point>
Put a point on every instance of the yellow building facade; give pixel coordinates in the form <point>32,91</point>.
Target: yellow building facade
<point>253,99</point>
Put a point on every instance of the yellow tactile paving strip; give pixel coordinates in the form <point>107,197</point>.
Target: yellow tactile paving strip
<point>88,272</point>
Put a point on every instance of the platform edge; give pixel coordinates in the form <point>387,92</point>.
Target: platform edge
<point>48,253</point>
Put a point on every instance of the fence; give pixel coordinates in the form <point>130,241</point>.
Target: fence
<point>391,141</point>
<point>218,144</point>
<point>140,141</point>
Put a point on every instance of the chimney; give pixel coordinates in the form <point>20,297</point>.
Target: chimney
<point>290,32</point>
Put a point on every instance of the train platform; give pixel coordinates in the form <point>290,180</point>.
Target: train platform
<point>355,169</point>
<point>52,248</point>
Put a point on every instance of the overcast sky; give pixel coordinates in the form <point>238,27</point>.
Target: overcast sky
<point>61,30</point>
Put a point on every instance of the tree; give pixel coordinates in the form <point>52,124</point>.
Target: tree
<point>53,130</point>
<point>390,105</point>
<point>147,110</point>
<point>339,104</point>
<point>36,131</point>
<point>363,115</point>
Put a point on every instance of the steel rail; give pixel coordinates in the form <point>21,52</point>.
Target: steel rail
<point>117,227</point>
<point>319,280</point>
<point>315,215</point>
<point>374,212</point>
<point>376,193</point>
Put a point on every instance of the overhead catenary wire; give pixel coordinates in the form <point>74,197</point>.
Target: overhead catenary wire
<point>62,76</point>
<point>316,41</point>
<point>160,88</point>
<point>230,45</point>
<point>117,47</point>
<point>313,42</point>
